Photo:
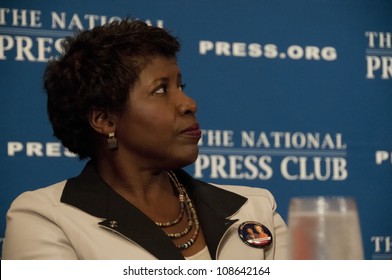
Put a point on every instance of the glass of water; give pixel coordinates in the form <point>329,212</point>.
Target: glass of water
<point>324,228</point>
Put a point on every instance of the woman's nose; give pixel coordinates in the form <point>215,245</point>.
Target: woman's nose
<point>187,105</point>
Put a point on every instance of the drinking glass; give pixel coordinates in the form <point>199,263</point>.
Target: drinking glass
<point>324,228</point>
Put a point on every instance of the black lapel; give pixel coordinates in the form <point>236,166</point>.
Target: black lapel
<point>132,223</point>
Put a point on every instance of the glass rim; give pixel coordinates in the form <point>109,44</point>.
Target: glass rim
<point>323,197</point>
<point>322,204</point>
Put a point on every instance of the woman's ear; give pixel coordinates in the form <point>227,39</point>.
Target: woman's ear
<point>101,121</point>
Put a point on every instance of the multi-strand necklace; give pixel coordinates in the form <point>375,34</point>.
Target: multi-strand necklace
<point>186,205</point>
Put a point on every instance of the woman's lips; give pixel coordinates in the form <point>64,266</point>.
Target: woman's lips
<point>193,131</point>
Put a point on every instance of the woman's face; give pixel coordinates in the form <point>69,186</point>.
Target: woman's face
<point>158,128</point>
<point>259,229</point>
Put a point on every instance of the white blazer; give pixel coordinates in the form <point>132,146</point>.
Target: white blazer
<point>83,218</point>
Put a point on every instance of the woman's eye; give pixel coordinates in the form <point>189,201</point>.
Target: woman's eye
<point>161,89</point>
<point>182,86</point>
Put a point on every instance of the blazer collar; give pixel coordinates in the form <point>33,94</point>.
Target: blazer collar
<point>91,194</point>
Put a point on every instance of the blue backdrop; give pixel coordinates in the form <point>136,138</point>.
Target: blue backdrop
<point>294,96</point>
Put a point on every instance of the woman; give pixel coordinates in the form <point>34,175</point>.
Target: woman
<point>116,96</point>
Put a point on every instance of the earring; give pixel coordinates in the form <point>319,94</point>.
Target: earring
<point>112,141</point>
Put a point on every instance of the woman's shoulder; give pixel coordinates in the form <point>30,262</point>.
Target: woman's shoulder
<point>246,190</point>
<point>41,197</point>
<point>250,192</point>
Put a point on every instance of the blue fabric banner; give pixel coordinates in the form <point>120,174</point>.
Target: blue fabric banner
<point>293,96</point>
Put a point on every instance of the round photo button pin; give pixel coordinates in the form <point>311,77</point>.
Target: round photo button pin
<point>255,234</point>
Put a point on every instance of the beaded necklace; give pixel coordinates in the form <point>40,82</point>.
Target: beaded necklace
<point>186,205</point>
